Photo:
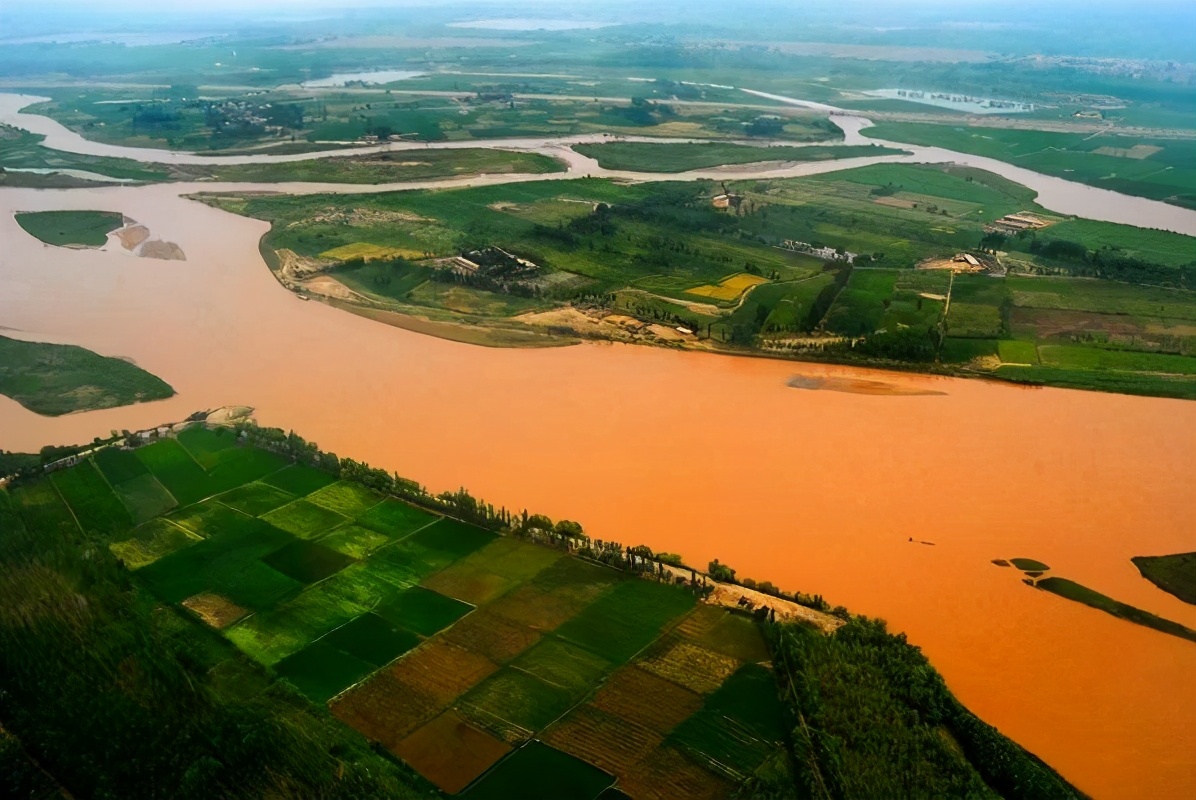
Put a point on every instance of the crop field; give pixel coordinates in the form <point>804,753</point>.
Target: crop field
<point>1161,169</point>
<point>475,658</point>
<point>728,288</point>
<point>860,307</point>
<point>450,752</point>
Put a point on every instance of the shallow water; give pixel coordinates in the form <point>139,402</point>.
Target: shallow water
<point>708,456</point>
<point>377,77</point>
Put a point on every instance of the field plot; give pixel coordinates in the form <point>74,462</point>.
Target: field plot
<point>562,664</point>
<point>88,495</point>
<point>216,611</point>
<point>304,519</point>
<point>255,499</point>
<point>688,665</point>
<point>372,639</point>
<point>519,699</point>
<point>624,693</point>
<point>450,752</point>
<point>620,623</point>
<point>729,288</point>
<point>118,465</point>
<point>175,469</point>
<point>206,445</point>
<point>861,306</point>
<point>307,562</point>
<point>321,671</point>
<point>150,542</point>
<point>492,636</point>
<point>422,610</point>
<point>395,519</point>
<point>539,772</point>
<point>354,541</point>
<point>299,480</point>
<point>347,499</point>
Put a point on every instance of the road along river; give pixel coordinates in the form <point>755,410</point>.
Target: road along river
<point>709,456</point>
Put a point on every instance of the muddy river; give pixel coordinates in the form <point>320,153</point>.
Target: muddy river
<point>745,459</point>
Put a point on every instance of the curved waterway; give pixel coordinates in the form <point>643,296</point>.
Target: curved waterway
<point>783,470</point>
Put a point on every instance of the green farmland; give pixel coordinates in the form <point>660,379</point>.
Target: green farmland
<point>54,379</point>
<point>477,662</point>
<point>1079,304</point>
<point>1161,169</point>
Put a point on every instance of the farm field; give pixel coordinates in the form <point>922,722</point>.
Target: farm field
<point>1092,294</point>
<point>1161,169</point>
<point>483,662</point>
<point>450,645</point>
<point>55,379</point>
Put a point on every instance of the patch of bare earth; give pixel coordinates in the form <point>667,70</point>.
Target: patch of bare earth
<point>731,596</point>
<point>132,235</point>
<point>294,268</point>
<point>216,611</point>
<point>330,287</point>
<point>166,251</point>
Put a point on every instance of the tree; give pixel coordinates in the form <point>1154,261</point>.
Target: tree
<point>721,572</point>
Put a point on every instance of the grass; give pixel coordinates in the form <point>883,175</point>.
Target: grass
<point>1089,597</point>
<point>404,165</point>
<point>71,228</point>
<point>651,157</point>
<point>539,772</point>
<point>1175,574</point>
<point>56,379</point>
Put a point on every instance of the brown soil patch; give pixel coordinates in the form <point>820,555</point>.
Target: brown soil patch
<point>947,263</point>
<point>469,585</point>
<point>394,702</point>
<point>685,664</point>
<point>535,608</point>
<point>668,334</point>
<point>485,633</point>
<point>216,611</point>
<point>132,235</point>
<point>701,621</point>
<point>1047,322</point>
<point>167,251</point>
<point>450,752</point>
<point>606,741</point>
<point>642,698</point>
<point>666,773</point>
